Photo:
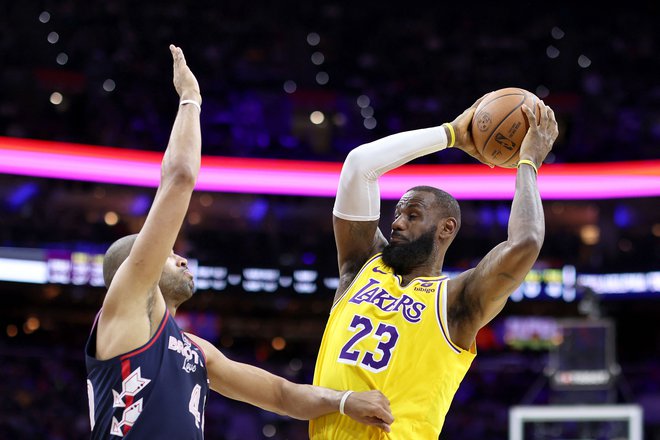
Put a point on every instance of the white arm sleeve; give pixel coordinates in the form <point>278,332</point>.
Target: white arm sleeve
<point>358,195</point>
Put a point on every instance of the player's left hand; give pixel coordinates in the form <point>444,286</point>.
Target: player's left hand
<point>370,408</point>
<point>541,135</point>
<point>462,127</point>
<point>185,83</point>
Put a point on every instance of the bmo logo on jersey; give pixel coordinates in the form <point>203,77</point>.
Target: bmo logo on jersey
<point>374,294</point>
<point>191,358</point>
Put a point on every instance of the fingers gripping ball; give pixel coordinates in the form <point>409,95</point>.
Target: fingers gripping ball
<point>499,125</point>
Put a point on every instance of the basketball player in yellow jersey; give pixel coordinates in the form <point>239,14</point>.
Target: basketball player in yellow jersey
<point>397,324</point>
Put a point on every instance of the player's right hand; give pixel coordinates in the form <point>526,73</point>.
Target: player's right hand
<point>185,83</point>
<point>462,127</point>
<point>370,408</point>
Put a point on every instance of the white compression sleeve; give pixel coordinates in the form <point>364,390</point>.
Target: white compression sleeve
<point>358,195</point>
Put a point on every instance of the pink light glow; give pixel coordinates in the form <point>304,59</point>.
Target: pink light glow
<point>59,160</point>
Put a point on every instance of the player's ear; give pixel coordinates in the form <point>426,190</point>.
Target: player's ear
<point>447,227</point>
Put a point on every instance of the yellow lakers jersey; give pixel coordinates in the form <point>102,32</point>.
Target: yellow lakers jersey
<point>393,338</point>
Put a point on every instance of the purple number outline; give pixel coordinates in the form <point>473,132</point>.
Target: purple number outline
<point>348,356</point>
<point>364,327</point>
<point>385,348</point>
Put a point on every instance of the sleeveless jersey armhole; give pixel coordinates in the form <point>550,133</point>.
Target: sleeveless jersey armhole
<point>441,317</point>
<point>355,278</point>
<point>151,341</point>
<point>192,341</point>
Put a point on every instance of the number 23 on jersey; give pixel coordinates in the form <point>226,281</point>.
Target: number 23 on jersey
<point>363,327</point>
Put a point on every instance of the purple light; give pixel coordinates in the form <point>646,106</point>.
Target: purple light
<point>309,258</point>
<point>623,218</point>
<point>258,210</point>
<point>141,205</point>
<point>22,194</point>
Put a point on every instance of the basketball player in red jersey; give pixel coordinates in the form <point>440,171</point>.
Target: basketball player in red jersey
<point>147,379</point>
<point>397,323</point>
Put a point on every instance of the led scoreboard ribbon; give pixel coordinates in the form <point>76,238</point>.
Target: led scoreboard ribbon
<point>59,160</point>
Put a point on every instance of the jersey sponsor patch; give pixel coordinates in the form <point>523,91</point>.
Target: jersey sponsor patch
<point>425,287</point>
<point>191,358</point>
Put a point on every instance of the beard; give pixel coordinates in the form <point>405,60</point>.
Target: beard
<point>404,257</point>
<point>176,287</point>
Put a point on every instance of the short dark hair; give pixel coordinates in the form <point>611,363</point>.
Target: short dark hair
<point>444,202</point>
<point>116,254</point>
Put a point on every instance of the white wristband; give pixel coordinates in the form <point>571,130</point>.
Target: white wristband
<point>342,402</point>
<point>193,102</point>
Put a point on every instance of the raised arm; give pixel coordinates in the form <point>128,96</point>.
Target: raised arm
<point>258,387</point>
<point>357,206</point>
<point>477,295</point>
<point>125,322</point>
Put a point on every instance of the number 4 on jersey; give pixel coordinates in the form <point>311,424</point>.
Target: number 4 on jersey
<point>194,405</point>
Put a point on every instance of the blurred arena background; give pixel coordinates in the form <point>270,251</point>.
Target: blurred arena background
<point>310,81</point>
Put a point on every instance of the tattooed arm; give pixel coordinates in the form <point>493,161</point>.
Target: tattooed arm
<point>479,294</point>
<point>357,206</point>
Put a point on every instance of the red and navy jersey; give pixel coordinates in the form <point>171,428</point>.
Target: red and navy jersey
<point>156,391</point>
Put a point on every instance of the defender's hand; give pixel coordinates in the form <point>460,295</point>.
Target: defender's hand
<point>185,83</point>
<point>370,408</point>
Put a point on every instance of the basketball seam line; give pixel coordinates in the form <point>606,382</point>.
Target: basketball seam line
<point>514,153</point>
<point>504,119</point>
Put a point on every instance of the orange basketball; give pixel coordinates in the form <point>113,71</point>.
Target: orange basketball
<point>499,125</point>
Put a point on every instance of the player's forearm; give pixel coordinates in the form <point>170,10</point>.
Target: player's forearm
<point>268,391</point>
<point>526,223</point>
<point>306,402</point>
<point>182,159</point>
<point>358,196</point>
<point>390,152</point>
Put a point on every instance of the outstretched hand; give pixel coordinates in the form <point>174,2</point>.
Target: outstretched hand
<point>370,408</point>
<point>185,83</point>
<point>541,134</point>
<point>463,127</point>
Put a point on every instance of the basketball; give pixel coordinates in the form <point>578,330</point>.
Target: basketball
<point>499,125</point>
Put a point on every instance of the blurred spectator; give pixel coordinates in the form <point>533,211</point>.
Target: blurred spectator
<point>268,68</point>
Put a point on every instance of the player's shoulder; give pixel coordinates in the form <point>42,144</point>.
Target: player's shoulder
<point>209,350</point>
<point>456,284</point>
<point>357,267</point>
<point>197,340</point>
<point>351,274</point>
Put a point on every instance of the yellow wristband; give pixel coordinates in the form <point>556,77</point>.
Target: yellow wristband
<point>528,162</point>
<point>453,134</point>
